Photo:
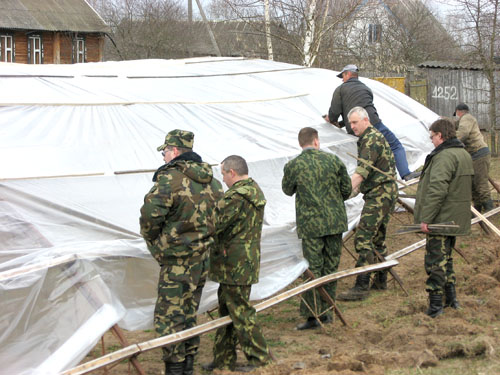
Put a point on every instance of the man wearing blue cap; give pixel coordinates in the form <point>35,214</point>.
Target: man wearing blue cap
<point>353,93</point>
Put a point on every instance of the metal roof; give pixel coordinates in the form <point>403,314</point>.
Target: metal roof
<point>450,65</point>
<point>50,15</point>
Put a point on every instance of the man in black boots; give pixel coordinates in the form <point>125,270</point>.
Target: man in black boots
<point>443,195</point>
<point>380,192</point>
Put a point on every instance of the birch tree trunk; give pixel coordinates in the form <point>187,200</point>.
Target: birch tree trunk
<point>309,33</point>
<point>267,18</point>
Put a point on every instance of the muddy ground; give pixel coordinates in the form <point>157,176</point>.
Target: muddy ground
<point>389,332</point>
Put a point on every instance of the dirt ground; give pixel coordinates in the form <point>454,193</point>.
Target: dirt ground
<point>389,332</point>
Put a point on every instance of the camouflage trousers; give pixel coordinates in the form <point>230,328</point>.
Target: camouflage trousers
<point>234,301</point>
<point>323,255</point>
<point>179,293</point>
<point>439,262</point>
<point>372,227</point>
<point>480,184</point>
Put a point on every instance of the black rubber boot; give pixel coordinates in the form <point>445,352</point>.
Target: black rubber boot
<point>479,207</point>
<point>360,291</point>
<point>435,305</point>
<point>209,366</point>
<point>451,296</point>
<point>488,205</point>
<point>176,368</point>
<point>188,365</point>
<point>379,282</point>
<point>310,323</point>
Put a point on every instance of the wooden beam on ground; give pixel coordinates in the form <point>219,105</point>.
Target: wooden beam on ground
<point>485,220</point>
<point>135,349</point>
<point>327,297</point>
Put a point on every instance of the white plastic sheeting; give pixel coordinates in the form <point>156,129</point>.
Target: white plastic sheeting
<point>72,262</point>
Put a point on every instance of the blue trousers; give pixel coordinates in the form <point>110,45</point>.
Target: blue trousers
<point>397,148</point>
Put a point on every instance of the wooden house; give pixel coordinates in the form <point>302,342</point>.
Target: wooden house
<point>50,32</point>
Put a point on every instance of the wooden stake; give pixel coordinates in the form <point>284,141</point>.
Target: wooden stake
<point>495,184</point>
<point>391,271</point>
<point>327,297</point>
<point>379,170</point>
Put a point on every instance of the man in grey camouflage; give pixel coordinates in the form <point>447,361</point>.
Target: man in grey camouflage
<point>379,193</point>
<point>235,265</point>
<point>178,224</point>
<point>469,133</point>
<point>443,195</point>
<point>321,184</point>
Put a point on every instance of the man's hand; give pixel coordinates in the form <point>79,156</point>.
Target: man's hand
<point>356,180</point>
<point>424,228</point>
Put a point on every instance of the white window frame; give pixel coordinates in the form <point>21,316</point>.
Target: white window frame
<point>79,48</point>
<point>5,50</point>
<point>36,54</point>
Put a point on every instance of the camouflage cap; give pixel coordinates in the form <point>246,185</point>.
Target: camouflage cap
<point>178,138</point>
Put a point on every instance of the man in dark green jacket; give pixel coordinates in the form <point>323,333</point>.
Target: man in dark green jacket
<point>380,192</point>
<point>235,264</point>
<point>443,195</point>
<point>321,184</point>
<point>178,223</point>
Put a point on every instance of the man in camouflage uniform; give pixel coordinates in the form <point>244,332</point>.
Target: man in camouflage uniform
<point>443,195</point>
<point>469,133</point>
<point>379,193</point>
<point>235,264</point>
<point>321,184</point>
<point>178,223</point>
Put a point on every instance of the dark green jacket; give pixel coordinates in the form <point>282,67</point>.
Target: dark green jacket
<point>375,151</point>
<point>178,216</point>
<point>321,184</point>
<point>236,259</point>
<point>444,191</point>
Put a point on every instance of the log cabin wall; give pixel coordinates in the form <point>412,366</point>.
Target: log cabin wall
<point>58,47</point>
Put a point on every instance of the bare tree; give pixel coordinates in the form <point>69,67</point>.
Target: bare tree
<point>392,38</point>
<point>143,29</point>
<point>306,21</point>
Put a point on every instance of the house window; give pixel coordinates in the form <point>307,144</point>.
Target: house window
<point>35,49</point>
<point>6,48</point>
<point>79,52</point>
<point>374,33</point>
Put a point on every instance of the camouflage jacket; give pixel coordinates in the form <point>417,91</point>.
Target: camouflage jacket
<point>178,216</point>
<point>374,150</point>
<point>236,260</point>
<point>444,190</point>
<point>321,184</point>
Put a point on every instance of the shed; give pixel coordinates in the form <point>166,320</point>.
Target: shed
<point>452,83</point>
<point>50,32</point>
